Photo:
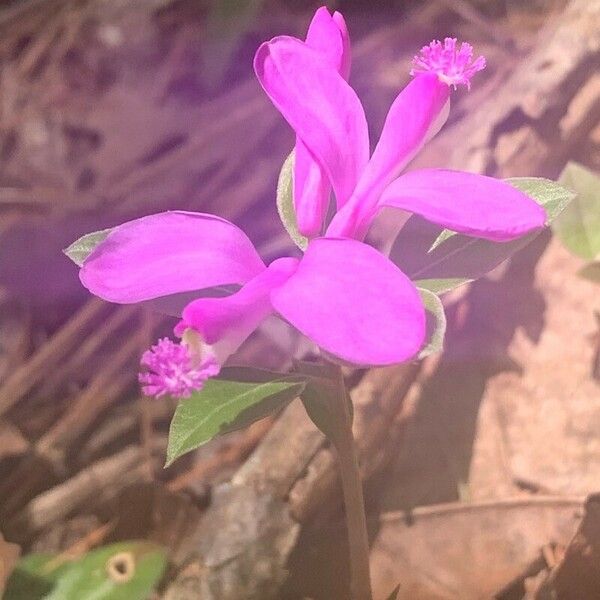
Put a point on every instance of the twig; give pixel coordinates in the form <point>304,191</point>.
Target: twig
<point>49,355</point>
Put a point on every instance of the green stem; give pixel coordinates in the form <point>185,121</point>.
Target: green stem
<point>353,500</point>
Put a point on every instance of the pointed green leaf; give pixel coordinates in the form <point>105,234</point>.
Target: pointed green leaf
<point>439,261</point>
<point>578,227</point>
<point>222,406</point>
<point>80,249</point>
<point>285,202</point>
<point>435,325</point>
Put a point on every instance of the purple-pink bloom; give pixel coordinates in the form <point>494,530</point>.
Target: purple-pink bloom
<point>344,295</point>
<point>328,117</point>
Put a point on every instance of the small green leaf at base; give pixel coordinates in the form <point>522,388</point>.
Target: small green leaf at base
<point>439,260</point>
<point>285,202</point>
<point>222,406</point>
<point>80,249</point>
<point>578,227</point>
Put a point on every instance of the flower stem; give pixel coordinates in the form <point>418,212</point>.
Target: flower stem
<point>356,521</point>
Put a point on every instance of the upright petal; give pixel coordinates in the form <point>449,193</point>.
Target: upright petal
<point>224,323</point>
<point>328,35</point>
<point>465,202</point>
<point>168,253</point>
<point>354,303</point>
<point>416,115</point>
<point>321,107</point>
<point>346,61</point>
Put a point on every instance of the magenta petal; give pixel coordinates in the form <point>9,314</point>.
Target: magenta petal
<point>465,202</point>
<point>311,191</point>
<point>346,61</point>
<point>225,323</point>
<point>354,303</point>
<point>321,107</point>
<point>416,115</point>
<point>168,253</point>
<point>328,35</point>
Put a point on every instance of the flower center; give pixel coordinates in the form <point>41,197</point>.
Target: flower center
<point>453,66</point>
<point>177,369</point>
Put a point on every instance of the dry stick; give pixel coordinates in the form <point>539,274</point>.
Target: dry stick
<point>48,356</point>
<point>81,546</point>
<point>86,351</point>
<point>98,482</point>
<point>106,387</point>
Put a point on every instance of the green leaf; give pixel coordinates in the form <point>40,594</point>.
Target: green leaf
<point>591,271</point>
<point>80,249</point>
<point>222,406</point>
<point>121,571</point>
<point>440,261</point>
<point>285,202</point>
<point>435,325</point>
<point>578,227</point>
<point>322,398</point>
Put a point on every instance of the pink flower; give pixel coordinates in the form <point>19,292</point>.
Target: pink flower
<point>344,295</point>
<point>329,119</point>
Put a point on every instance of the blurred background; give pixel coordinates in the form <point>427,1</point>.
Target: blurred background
<point>476,461</point>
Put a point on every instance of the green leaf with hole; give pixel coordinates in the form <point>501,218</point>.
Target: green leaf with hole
<point>80,249</point>
<point>285,202</point>
<point>439,261</point>
<point>222,406</point>
<point>121,571</point>
<point>435,323</point>
<point>578,227</point>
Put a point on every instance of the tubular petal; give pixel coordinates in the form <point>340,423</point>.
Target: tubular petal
<point>354,303</point>
<point>465,202</point>
<point>416,115</point>
<point>168,253</point>
<point>225,323</point>
<point>321,107</point>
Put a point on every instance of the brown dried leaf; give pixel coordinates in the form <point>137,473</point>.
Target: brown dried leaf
<point>466,551</point>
